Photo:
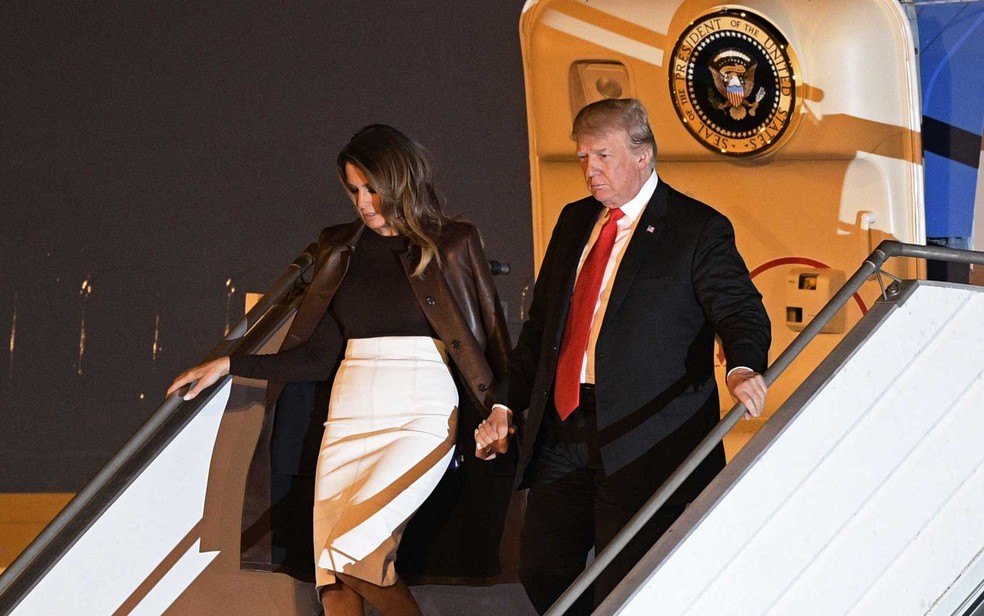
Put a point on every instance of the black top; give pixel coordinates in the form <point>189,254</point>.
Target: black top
<point>374,299</point>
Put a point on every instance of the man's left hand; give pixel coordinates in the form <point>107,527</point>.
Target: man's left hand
<point>748,387</point>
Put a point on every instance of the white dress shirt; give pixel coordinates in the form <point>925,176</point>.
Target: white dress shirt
<point>626,226</point>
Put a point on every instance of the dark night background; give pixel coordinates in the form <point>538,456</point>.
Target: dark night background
<point>156,150</point>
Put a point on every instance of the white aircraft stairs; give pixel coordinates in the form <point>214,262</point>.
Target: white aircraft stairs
<point>862,495</point>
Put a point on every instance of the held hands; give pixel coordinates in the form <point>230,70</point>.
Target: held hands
<point>206,374</point>
<point>748,387</point>
<point>492,435</point>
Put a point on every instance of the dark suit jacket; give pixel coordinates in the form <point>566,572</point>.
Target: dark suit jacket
<point>681,280</point>
<point>456,532</point>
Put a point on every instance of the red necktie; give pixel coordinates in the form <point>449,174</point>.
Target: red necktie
<point>567,389</point>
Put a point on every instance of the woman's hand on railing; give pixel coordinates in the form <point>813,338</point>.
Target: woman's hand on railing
<point>203,376</point>
<point>492,435</point>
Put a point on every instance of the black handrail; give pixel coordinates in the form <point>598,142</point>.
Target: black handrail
<point>872,265</point>
<point>147,443</point>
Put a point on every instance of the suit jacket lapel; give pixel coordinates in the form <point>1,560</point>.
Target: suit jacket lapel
<point>640,245</point>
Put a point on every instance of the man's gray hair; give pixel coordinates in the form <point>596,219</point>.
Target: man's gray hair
<point>627,114</point>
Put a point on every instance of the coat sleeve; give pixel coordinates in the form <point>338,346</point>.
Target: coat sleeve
<point>493,319</point>
<point>729,299</point>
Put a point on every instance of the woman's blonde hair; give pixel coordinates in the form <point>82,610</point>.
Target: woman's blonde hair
<point>400,170</point>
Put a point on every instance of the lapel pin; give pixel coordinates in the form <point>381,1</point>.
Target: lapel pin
<point>650,229</point>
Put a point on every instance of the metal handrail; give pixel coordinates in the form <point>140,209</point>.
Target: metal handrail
<point>146,444</point>
<point>871,266</point>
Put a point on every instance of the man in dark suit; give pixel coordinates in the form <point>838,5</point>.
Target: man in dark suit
<point>613,374</point>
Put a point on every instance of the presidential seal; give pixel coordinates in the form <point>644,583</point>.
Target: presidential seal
<point>733,82</point>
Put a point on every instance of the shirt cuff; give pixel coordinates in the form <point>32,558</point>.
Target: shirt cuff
<point>737,368</point>
<point>503,407</point>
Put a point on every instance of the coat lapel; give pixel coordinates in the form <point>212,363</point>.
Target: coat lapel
<point>440,307</point>
<point>435,298</point>
<point>333,258</point>
<point>640,246</point>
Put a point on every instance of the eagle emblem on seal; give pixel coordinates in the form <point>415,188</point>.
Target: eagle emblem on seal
<point>733,82</point>
<point>734,78</point>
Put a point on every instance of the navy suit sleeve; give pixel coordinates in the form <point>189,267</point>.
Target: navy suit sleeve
<point>729,299</point>
<point>525,358</point>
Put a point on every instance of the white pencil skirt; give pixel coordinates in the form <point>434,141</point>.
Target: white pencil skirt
<point>389,437</point>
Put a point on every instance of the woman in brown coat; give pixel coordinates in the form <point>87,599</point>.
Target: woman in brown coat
<point>405,324</point>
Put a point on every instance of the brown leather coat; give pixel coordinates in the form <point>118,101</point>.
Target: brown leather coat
<point>461,304</point>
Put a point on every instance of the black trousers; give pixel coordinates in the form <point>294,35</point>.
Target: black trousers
<point>573,506</point>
